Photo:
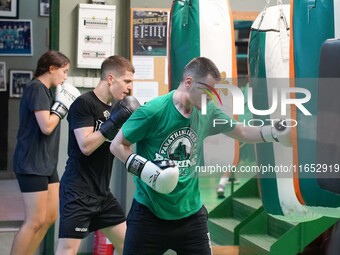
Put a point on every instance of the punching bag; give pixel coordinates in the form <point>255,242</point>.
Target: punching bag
<point>313,22</point>
<point>328,135</point>
<point>204,28</point>
<point>268,58</point>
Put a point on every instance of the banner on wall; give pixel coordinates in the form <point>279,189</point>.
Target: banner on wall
<point>149,32</point>
<point>149,48</point>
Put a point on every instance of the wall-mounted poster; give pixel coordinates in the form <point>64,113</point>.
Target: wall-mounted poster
<point>9,9</point>
<point>18,82</point>
<point>149,32</point>
<point>3,86</point>
<point>16,38</point>
<point>44,7</point>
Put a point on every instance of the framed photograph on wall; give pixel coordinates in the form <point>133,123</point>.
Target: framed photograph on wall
<point>3,84</point>
<point>44,7</point>
<point>16,38</point>
<point>18,81</point>
<point>9,9</point>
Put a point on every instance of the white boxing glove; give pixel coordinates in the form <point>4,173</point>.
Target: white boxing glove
<point>65,95</point>
<point>281,132</point>
<point>162,176</point>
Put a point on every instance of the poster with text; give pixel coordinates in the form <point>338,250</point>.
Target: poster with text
<point>150,32</point>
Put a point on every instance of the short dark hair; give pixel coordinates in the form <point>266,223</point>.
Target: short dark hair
<point>200,68</point>
<point>116,64</point>
<point>48,59</point>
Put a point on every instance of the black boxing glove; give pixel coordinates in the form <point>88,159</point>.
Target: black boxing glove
<point>119,114</point>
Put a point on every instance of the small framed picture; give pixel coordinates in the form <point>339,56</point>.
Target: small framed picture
<point>18,82</point>
<point>16,37</point>
<point>3,86</point>
<point>9,9</point>
<point>44,7</point>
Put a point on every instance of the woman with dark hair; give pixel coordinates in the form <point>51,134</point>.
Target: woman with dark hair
<point>36,153</point>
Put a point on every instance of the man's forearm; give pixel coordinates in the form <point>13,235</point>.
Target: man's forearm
<point>120,147</point>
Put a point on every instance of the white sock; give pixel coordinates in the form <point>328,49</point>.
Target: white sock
<point>223,181</point>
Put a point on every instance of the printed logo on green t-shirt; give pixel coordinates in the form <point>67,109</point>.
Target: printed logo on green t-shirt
<point>181,147</point>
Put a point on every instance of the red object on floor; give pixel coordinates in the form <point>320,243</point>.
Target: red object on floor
<point>102,245</point>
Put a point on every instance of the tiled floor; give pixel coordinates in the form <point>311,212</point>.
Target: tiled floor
<point>11,213</point>
<point>217,250</point>
<point>11,203</point>
<point>6,239</point>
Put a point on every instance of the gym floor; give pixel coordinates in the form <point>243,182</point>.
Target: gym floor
<point>12,213</point>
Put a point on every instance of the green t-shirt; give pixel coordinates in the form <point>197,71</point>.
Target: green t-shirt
<point>160,132</point>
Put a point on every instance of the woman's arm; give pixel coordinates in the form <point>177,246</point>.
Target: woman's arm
<point>47,122</point>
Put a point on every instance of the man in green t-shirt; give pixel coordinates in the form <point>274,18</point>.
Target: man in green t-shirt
<point>167,211</point>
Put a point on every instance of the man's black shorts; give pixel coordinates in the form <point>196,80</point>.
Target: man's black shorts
<point>148,235</point>
<point>81,214</point>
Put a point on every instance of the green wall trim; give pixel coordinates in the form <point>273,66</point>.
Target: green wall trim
<point>54,45</point>
<point>54,24</point>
